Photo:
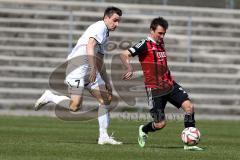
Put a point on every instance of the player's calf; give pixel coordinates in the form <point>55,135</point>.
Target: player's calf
<point>153,126</point>
<point>189,120</point>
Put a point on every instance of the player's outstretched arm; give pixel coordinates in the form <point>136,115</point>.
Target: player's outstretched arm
<point>125,58</point>
<point>90,53</point>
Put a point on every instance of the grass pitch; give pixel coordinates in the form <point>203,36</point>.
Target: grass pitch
<point>41,138</point>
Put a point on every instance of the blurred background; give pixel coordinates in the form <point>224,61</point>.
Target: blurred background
<point>202,43</point>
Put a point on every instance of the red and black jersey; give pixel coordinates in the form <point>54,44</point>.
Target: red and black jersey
<point>153,59</point>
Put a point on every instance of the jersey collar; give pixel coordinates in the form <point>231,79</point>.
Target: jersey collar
<point>106,28</point>
<point>151,39</point>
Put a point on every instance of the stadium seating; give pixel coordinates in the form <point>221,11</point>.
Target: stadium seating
<point>34,41</point>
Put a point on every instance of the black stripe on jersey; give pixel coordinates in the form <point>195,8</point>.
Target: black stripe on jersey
<point>95,40</point>
<point>155,61</point>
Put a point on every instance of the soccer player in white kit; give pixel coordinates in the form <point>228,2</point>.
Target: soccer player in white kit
<point>86,70</point>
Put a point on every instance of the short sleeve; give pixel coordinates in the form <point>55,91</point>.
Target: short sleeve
<point>98,32</point>
<point>138,48</point>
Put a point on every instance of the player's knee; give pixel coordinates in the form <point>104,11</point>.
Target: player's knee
<point>74,106</point>
<point>159,125</point>
<point>188,107</point>
<point>107,102</point>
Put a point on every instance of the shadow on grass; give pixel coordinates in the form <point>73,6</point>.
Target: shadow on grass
<point>129,143</point>
<point>171,147</point>
<point>165,147</point>
<point>78,142</point>
<point>90,142</point>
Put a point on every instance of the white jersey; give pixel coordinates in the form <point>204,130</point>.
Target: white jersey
<point>99,32</point>
<point>78,67</point>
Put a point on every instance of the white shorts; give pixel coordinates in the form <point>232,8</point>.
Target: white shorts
<point>77,72</point>
<point>76,86</point>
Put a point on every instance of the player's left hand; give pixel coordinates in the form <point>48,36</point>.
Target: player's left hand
<point>127,75</point>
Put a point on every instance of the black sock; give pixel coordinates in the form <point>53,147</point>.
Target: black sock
<point>149,128</point>
<point>189,120</point>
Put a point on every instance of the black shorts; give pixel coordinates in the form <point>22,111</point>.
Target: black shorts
<point>158,103</point>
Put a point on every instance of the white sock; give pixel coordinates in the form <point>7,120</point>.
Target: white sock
<point>103,120</point>
<point>56,98</point>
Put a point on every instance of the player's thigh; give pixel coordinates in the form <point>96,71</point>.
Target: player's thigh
<point>157,112</point>
<point>178,96</point>
<point>158,104</point>
<point>75,90</point>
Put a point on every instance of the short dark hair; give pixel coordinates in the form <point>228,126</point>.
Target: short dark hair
<point>159,21</point>
<point>109,11</point>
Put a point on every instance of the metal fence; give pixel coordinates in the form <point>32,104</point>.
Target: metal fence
<point>189,35</point>
<point>231,4</point>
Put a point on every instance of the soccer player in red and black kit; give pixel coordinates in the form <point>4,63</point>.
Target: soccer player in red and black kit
<point>160,85</point>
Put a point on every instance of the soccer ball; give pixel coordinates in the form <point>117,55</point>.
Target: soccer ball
<point>190,136</point>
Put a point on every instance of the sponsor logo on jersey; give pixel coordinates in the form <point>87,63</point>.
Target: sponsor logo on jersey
<point>161,55</point>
